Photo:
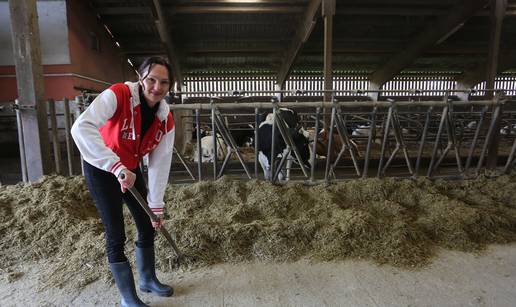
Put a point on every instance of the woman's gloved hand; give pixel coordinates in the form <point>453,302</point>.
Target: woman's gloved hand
<point>126,179</point>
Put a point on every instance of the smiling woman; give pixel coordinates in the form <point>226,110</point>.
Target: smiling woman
<point>123,124</point>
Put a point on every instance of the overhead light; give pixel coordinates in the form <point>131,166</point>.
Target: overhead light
<point>442,39</point>
<point>107,29</point>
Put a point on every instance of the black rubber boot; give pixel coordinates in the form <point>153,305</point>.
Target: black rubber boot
<point>125,282</point>
<point>145,262</point>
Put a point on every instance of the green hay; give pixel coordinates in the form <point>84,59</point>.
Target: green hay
<point>397,222</point>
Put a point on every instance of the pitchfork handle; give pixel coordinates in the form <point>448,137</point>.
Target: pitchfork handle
<point>153,217</point>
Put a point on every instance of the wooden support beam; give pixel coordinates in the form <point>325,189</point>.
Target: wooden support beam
<point>497,14</point>
<point>303,31</point>
<point>469,79</point>
<point>166,39</point>
<point>328,11</point>
<point>498,8</point>
<point>29,79</point>
<point>435,32</point>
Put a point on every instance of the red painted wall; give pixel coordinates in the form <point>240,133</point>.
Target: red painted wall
<point>106,65</point>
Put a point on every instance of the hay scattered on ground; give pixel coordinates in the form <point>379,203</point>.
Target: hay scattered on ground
<point>53,219</point>
<point>401,223</point>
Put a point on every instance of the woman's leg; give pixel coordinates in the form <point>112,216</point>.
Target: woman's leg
<point>105,191</point>
<point>145,256</point>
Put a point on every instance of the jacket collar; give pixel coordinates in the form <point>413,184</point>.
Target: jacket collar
<point>163,108</point>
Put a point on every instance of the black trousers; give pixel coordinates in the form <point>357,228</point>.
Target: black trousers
<point>105,191</point>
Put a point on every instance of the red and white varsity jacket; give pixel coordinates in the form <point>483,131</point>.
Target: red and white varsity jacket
<point>108,137</point>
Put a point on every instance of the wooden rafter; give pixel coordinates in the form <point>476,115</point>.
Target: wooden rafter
<point>472,77</point>
<point>166,39</point>
<point>303,31</point>
<point>433,33</point>
<point>496,61</point>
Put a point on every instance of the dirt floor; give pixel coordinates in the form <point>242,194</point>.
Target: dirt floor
<point>453,279</point>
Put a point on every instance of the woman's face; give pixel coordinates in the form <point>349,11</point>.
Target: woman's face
<point>156,84</point>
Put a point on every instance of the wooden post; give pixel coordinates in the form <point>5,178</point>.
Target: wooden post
<point>328,10</point>
<point>497,13</point>
<point>29,78</point>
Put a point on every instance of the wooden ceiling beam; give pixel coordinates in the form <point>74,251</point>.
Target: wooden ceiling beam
<point>347,11</point>
<point>409,11</point>
<point>135,52</point>
<point>470,78</point>
<point>189,9</point>
<point>166,39</point>
<point>303,31</point>
<point>435,32</point>
<point>289,9</point>
<point>124,10</point>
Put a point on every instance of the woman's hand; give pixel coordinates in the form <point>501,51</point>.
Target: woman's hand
<point>158,223</point>
<point>126,179</point>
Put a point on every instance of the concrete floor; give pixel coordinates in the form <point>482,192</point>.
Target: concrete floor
<point>453,279</point>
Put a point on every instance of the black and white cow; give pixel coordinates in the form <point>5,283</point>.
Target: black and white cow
<point>265,141</point>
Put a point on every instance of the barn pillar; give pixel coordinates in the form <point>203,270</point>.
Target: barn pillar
<point>497,13</point>
<point>328,11</point>
<point>29,78</point>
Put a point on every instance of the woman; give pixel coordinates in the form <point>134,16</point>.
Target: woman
<point>124,123</point>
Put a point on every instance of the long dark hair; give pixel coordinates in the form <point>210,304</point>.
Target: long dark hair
<point>147,64</point>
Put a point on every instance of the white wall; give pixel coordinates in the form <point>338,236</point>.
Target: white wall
<point>53,31</point>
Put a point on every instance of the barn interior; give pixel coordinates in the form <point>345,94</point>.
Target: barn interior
<point>415,186</point>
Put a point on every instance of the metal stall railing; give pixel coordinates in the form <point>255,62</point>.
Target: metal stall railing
<point>424,137</point>
<point>59,123</point>
<point>438,122</point>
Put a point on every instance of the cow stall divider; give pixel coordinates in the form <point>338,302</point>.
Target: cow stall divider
<point>437,123</point>
<point>219,125</point>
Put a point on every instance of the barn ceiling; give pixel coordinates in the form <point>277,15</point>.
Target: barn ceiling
<point>264,36</point>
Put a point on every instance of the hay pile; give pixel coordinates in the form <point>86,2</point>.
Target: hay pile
<point>401,223</point>
<point>53,219</point>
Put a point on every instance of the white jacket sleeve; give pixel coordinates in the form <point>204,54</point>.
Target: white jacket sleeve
<point>158,170</point>
<point>85,133</point>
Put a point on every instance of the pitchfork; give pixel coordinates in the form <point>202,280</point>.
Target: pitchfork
<point>155,219</point>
